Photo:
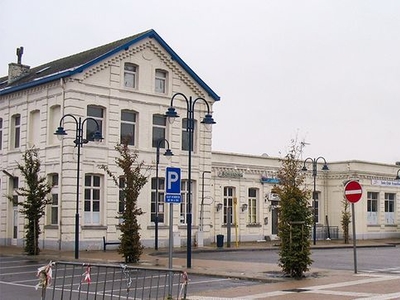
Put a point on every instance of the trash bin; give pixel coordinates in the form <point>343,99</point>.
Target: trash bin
<point>220,240</point>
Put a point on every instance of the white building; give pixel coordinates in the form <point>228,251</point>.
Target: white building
<point>127,87</point>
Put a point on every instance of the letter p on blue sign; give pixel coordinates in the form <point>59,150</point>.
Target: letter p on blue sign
<point>173,181</point>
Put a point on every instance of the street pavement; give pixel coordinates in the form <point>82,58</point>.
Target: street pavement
<point>317,284</point>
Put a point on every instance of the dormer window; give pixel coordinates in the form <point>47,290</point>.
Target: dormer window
<point>130,75</point>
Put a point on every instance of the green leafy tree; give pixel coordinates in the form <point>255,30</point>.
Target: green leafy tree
<point>346,216</point>
<point>35,193</point>
<point>295,217</point>
<point>130,183</point>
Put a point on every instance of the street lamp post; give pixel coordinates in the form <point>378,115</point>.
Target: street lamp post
<point>79,142</point>
<point>314,162</point>
<point>398,175</point>
<point>207,120</point>
<point>168,153</point>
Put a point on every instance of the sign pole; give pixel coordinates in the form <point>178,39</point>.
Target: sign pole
<point>172,195</point>
<point>353,218</point>
<point>353,193</point>
<point>170,246</point>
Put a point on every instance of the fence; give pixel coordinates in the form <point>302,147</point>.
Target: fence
<point>325,232</point>
<point>70,280</point>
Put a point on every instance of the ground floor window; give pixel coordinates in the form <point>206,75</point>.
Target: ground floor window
<point>252,205</point>
<point>372,208</point>
<point>92,199</point>
<point>389,208</point>
<point>160,204</point>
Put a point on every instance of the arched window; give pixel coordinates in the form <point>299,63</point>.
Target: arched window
<point>54,122</point>
<point>128,127</point>
<point>130,75</point>
<point>159,130</point>
<point>161,81</point>
<point>97,113</point>
<point>16,131</point>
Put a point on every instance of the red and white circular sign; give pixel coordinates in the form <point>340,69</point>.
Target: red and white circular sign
<point>353,191</point>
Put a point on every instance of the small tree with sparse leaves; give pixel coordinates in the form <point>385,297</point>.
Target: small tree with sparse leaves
<point>346,216</point>
<point>295,217</point>
<point>35,192</point>
<point>130,183</point>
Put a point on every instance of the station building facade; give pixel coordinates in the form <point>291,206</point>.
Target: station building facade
<point>127,86</point>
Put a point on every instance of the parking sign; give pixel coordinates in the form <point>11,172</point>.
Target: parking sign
<point>172,185</point>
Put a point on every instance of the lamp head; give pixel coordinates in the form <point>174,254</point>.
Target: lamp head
<point>208,121</point>
<point>60,132</point>
<point>97,137</point>
<point>168,154</point>
<point>304,168</point>
<point>325,167</point>
<point>171,114</point>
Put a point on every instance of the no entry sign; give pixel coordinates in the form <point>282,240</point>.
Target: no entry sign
<point>353,191</point>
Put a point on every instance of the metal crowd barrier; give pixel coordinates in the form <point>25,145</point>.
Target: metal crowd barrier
<point>71,280</point>
<point>325,232</point>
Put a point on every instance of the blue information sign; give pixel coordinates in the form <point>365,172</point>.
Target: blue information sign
<point>173,185</point>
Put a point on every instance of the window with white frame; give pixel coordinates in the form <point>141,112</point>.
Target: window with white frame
<point>185,134</point>
<point>161,81</point>
<point>159,130</point>
<point>54,205</point>
<point>53,122</point>
<point>34,128</point>
<point>184,207</point>
<point>130,75</point>
<point>97,113</point>
<point>160,202</point>
<point>372,208</point>
<point>92,199</point>
<point>128,127</point>
<point>1,133</point>
<point>252,200</point>
<point>229,195</point>
<point>389,207</point>
<point>16,131</point>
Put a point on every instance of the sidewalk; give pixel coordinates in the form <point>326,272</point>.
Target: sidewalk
<point>262,272</point>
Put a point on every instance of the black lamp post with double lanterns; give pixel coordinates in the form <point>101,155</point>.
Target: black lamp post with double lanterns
<point>208,120</point>
<point>314,162</point>
<point>79,142</point>
<point>168,153</point>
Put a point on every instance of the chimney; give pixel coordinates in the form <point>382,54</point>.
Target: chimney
<point>17,70</point>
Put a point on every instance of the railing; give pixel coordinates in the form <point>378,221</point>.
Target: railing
<point>326,232</point>
<point>70,280</point>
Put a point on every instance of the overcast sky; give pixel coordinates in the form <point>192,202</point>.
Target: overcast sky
<point>324,72</point>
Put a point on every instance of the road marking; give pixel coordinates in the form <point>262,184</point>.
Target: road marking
<point>21,266</point>
<point>18,273</point>
<point>382,297</point>
<point>17,284</point>
<point>326,289</point>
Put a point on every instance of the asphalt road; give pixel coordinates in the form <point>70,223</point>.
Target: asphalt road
<point>371,259</point>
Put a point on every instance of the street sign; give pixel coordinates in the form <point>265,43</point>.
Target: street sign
<point>173,185</point>
<point>353,191</point>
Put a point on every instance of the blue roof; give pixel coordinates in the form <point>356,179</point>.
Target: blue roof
<point>77,63</point>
